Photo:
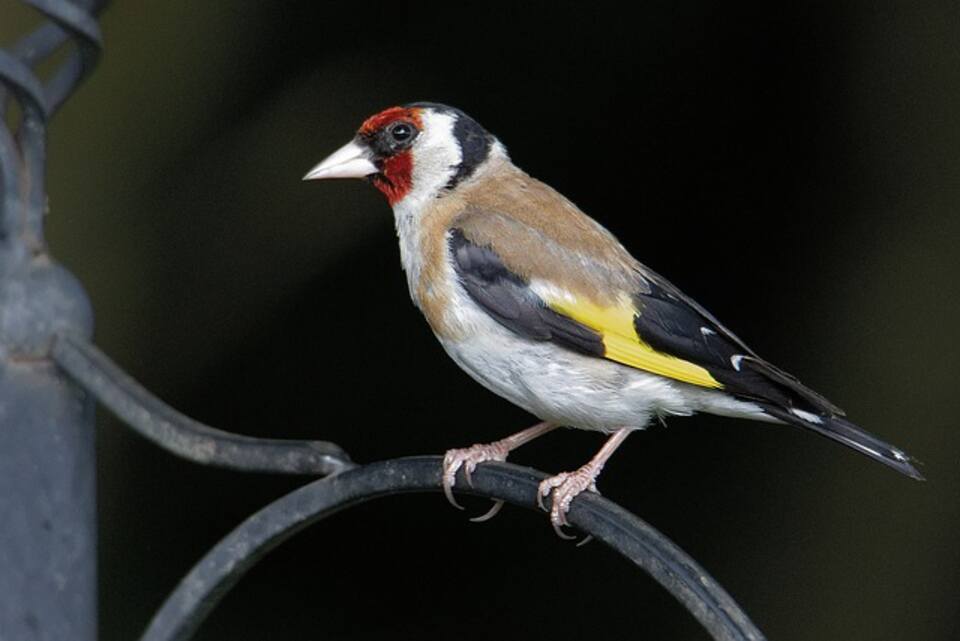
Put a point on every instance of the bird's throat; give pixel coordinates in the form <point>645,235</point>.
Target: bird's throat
<point>395,178</point>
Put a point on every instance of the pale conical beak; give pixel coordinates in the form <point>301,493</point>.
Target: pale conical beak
<point>350,161</point>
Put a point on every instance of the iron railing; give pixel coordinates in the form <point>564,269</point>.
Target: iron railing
<point>50,373</point>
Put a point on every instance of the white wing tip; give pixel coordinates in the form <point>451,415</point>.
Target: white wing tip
<point>809,417</point>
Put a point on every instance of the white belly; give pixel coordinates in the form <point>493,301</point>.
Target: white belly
<point>572,389</point>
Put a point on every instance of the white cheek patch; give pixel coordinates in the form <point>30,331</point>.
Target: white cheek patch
<point>436,156</point>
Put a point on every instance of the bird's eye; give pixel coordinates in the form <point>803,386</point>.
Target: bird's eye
<point>392,139</point>
<point>401,133</point>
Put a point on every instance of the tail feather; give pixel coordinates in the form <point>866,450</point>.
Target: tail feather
<point>843,431</point>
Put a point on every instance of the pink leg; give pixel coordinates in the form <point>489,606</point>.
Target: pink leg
<point>469,457</point>
<point>565,487</point>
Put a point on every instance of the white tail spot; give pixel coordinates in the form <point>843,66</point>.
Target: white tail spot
<point>810,417</point>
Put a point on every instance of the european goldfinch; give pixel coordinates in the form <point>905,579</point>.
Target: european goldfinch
<point>542,305</point>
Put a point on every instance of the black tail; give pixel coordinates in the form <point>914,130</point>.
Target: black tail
<point>843,431</point>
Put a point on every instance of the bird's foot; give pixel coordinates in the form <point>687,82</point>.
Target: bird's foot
<point>562,489</point>
<point>468,458</point>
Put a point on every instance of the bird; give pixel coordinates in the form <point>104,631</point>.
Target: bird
<point>542,305</point>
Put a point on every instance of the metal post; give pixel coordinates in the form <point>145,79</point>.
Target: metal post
<point>47,467</point>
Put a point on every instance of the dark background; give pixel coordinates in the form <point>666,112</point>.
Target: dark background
<point>794,168</point>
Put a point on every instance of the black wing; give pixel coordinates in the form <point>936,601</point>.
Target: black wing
<point>673,323</point>
<point>508,298</point>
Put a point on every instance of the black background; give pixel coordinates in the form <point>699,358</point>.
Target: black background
<point>794,168</point>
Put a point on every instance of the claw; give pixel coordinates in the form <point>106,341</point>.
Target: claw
<point>450,467</point>
<point>448,492</point>
<point>540,495</point>
<point>559,530</point>
<point>563,489</point>
<point>585,540</point>
<point>558,515</point>
<point>492,512</point>
<point>468,458</point>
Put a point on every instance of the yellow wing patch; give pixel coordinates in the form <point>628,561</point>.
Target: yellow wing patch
<point>621,343</point>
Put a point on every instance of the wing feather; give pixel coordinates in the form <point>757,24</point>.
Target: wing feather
<point>560,316</point>
<point>622,344</point>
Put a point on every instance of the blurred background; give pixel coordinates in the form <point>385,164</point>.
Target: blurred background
<point>794,168</point>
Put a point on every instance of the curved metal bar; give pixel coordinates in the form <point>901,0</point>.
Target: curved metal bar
<point>16,74</point>
<point>32,137</point>
<point>21,212</point>
<point>78,24</point>
<point>69,16</point>
<point>19,78</point>
<point>150,417</point>
<point>39,43</point>
<point>72,21</point>
<point>224,565</point>
<point>67,20</point>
